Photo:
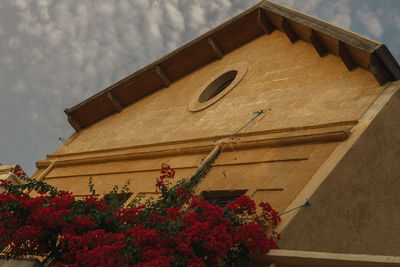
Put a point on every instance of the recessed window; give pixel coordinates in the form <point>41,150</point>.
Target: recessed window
<point>222,197</point>
<point>217,86</point>
<point>118,199</point>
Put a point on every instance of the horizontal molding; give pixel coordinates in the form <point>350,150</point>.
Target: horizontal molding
<point>157,169</point>
<point>326,137</point>
<point>192,142</point>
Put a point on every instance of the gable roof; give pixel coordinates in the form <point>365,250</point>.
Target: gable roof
<point>263,18</point>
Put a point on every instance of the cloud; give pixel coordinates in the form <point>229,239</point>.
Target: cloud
<point>197,16</point>
<point>20,87</point>
<point>43,7</point>
<point>371,21</point>
<point>338,13</point>
<point>307,6</point>
<point>14,42</point>
<point>57,53</point>
<point>22,4</point>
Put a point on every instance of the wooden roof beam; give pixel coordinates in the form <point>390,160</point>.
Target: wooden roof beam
<point>163,76</point>
<point>317,44</point>
<point>345,56</point>
<point>215,48</point>
<point>74,123</point>
<point>290,33</point>
<point>114,101</point>
<point>265,22</point>
<point>378,69</point>
<point>389,62</point>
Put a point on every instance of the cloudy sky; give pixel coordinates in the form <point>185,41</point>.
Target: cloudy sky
<point>56,53</point>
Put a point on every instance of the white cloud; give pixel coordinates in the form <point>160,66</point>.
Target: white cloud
<point>104,8</point>
<point>20,87</point>
<point>197,18</point>
<point>371,21</point>
<point>34,116</point>
<point>22,4</point>
<point>338,13</point>
<point>14,42</point>
<point>7,62</point>
<point>175,16</point>
<point>307,6</point>
<point>43,7</point>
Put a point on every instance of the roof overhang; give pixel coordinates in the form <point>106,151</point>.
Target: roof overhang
<point>264,18</point>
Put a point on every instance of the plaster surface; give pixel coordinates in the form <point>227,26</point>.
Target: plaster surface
<point>355,210</point>
<point>299,87</point>
<point>312,101</point>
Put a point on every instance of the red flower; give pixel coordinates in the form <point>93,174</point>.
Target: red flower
<point>166,173</point>
<point>242,204</point>
<point>173,213</point>
<point>195,262</point>
<point>270,213</point>
<point>129,215</point>
<point>142,236</point>
<point>93,233</point>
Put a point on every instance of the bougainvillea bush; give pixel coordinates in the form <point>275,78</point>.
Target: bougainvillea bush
<point>178,229</point>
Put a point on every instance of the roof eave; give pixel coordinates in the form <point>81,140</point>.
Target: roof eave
<point>262,18</point>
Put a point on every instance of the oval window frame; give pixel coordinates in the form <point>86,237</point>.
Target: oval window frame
<point>241,69</point>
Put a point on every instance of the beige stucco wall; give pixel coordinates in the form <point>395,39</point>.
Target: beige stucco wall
<point>297,85</point>
<point>356,207</point>
<point>313,103</point>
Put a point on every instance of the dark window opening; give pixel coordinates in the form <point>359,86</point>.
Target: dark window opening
<point>220,197</point>
<point>217,86</point>
<point>116,199</point>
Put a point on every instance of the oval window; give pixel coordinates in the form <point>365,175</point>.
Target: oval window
<point>217,86</point>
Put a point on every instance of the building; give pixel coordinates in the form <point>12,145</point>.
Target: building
<point>328,132</point>
<point>11,173</point>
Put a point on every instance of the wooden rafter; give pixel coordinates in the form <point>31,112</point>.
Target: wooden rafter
<point>74,123</point>
<point>317,44</point>
<point>215,48</point>
<point>345,56</point>
<point>114,101</point>
<point>324,27</point>
<point>388,62</point>
<point>163,76</point>
<point>290,33</point>
<point>265,22</point>
<point>378,70</point>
